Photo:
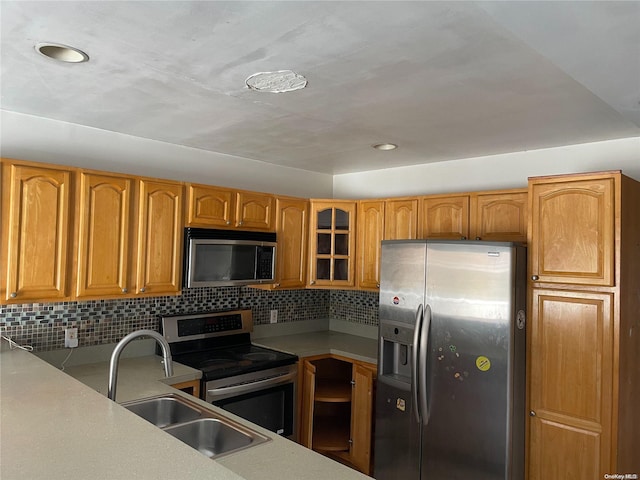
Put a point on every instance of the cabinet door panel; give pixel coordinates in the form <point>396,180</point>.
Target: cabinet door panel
<point>103,247</point>
<point>445,217</point>
<point>361,417</point>
<point>160,237</point>
<point>308,399</point>
<point>292,228</point>
<point>370,232</point>
<point>210,206</point>
<point>401,219</point>
<point>332,243</point>
<point>572,232</point>
<point>559,451</point>
<point>38,233</point>
<point>254,211</point>
<point>499,216</point>
<point>571,361</point>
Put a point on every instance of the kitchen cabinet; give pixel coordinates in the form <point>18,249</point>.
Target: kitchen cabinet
<point>192,387</point>
<point>444,216</point>
<point>401,219</point>
<point>499,216</point>
<point>107,239</point>
<point>572,223</point>
<point>332,243</point>
<point>36,231</point>
<point>337,409</point>
<point>225,208</point>
<point>583,329</point>
<point>106,236</point>
<point>292,230</point>
<point>371,221</point>
<point>160,234</point>
<point>378,220</point>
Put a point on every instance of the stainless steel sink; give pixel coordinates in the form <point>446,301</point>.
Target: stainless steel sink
<point>212,437</point>
<point>211,434</point>
<point>163,411</point>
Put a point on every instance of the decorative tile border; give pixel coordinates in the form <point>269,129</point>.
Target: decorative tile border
<point>42,325</point>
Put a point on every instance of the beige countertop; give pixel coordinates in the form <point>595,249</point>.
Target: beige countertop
<point>319,343</point>
<point>56,427</point>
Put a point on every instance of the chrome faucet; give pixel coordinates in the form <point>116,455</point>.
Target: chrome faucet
<point>115,357</point>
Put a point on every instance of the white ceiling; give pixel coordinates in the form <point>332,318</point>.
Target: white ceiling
<point>443,80</point>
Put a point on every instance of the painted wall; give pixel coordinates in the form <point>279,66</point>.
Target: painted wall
<point>38,139</point>
<point>494,172</point>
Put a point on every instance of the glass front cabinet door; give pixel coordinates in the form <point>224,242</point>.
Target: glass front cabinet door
<point>332,243</point>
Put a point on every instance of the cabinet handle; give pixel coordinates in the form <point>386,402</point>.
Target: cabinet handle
<point>353,382</point>
<point>478,238</point>
<point>276,285</point>
<point>312,282</point>
<point>13,295</point>
<point>142,290</point>
<point>532,413</point>
<point>240,223</point>
<point>535,278</point>
<point>463,238</point>
<point>228,222</point>
<point>124,290</point>
<point>377,285</point>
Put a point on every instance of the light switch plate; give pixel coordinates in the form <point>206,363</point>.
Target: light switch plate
<point>274,316</point>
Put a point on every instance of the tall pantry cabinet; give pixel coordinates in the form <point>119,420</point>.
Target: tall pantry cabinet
<point>584,327</point>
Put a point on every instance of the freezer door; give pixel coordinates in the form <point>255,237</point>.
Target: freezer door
<point>397,434</point>
<point>397,427</point>
<point>471,294</point>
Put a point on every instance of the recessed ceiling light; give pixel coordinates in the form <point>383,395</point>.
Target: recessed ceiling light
<point>62,53</point>
<point>276,82</point>
<point>385,146</point>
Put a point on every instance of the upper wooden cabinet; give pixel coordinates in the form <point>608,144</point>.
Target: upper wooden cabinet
<point>445,217</point>
<point>499,216</point>
<point>292,229</point>
<point>572,230</point>
<point>107,239</point>
<point>105,236</point>
<point>332,243</point>
<point>401,219</point>
<point>226,208</point>
<point>160,233</point>
<point>35,232</point>
<point>371,225</point>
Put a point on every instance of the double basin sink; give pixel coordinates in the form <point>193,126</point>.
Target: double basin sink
<point>198,427</point>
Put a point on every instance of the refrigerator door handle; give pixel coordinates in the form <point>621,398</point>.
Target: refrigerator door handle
<point>423,393</point>
<point>415,355</point>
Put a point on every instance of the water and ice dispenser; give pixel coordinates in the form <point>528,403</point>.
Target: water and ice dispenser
<point>395,352</point>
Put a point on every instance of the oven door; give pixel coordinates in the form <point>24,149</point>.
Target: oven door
<point>266,398</point>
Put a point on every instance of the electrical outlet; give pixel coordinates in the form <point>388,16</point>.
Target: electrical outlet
<point>274,316</point>
<point>70,337</point>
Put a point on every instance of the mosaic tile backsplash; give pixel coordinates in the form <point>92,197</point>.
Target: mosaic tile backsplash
<point>42,325</point>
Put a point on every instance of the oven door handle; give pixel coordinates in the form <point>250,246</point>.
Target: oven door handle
<point>251,386</point>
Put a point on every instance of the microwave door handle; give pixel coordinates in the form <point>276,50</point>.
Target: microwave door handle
<point>251,387</point>
<point>415,356</point>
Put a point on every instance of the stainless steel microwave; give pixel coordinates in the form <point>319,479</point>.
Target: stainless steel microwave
<point>216,258</point>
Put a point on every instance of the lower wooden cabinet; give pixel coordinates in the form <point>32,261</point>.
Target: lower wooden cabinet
<point>337,409</point>
<point>192,387</point>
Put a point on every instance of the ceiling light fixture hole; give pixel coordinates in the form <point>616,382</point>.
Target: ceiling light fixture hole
<point>385,147</point>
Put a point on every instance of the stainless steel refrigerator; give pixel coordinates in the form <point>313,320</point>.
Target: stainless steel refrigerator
<point>450,395</point>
